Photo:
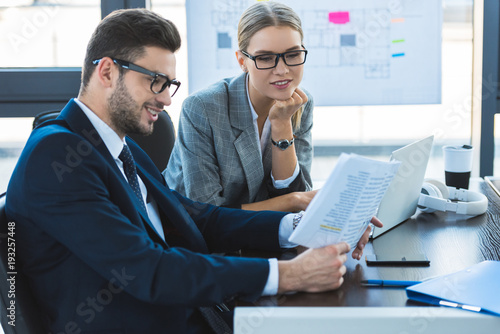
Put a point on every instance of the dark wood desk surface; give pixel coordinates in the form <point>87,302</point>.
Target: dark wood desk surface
<point>450,241</point>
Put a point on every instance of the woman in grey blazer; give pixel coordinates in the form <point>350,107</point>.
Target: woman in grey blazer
<point>246,141</point>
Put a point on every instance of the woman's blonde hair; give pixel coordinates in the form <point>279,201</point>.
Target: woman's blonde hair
<point>268,14</point>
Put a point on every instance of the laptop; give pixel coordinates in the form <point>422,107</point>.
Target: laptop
<point>494,182</point>
<point>400,200</point>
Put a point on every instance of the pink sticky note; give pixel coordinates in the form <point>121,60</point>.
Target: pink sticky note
<point>338,17</point>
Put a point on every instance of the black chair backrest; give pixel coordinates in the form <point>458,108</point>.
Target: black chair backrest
<point>45,116</point>
<point>18,304</point>
<point>158,145</point>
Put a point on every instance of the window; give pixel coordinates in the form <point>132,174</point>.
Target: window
<point>46,33</point>
<point>52,35</point>
<point>175,11</point>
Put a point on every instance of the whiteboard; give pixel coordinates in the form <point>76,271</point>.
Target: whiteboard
<point>363,52</point>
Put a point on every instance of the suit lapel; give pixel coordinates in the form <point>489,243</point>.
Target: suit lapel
<point>81,125</point>
<point>246,143</point>
<point>174,211</point>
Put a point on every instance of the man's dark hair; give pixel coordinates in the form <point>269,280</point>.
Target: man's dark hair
<point>124,34</point>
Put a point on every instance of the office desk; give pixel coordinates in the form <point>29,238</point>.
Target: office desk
<point>450,241</point>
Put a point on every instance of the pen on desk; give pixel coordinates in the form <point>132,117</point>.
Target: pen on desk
<point>388,283</point>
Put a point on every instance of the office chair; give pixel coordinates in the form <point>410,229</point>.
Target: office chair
<point>27,316</point>
<point>45,116</point>
<point>158,145</point>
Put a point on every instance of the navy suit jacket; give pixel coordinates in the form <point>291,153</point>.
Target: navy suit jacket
<point>94,260</point>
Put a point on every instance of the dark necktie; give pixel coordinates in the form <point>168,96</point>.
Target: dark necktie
<point>131,173</point>
<point>211,316</point>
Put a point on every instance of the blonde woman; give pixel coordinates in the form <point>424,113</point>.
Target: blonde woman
<point>245,142</point>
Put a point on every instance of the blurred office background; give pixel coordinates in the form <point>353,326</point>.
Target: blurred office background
<point>48,35</point>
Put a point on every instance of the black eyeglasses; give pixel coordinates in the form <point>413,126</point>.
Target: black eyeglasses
<point>159,82</point>
<point>270,60</point>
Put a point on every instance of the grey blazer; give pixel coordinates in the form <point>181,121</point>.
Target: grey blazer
<point>216,157</point>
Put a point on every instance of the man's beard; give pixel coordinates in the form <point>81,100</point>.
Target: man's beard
<point>125,117</point>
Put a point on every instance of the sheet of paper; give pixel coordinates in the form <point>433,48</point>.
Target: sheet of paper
<point>343,208</point>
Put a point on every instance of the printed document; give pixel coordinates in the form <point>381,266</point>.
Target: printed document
<point>343,208</point>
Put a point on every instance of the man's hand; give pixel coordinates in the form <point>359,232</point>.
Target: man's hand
<point>358,252</point>
<point>315,270</point>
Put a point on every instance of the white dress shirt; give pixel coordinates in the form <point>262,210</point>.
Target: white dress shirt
<point>264,140</point>
<point>115,144</point>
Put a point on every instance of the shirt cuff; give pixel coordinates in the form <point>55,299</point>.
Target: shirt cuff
<point>281,184</point>
<point>285,231</point>
<point>271,287</point>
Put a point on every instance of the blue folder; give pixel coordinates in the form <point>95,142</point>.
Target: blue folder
<point>476,288</point>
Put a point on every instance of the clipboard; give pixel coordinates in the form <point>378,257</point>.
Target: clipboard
<point>474,289</point>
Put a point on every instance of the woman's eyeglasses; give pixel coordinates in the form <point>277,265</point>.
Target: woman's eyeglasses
<point>270,60</point>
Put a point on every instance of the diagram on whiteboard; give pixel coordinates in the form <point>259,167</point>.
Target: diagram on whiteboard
<point>360,52</point>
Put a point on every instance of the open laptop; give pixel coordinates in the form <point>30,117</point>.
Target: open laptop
<point>400,200</point>
<point>494,182</point>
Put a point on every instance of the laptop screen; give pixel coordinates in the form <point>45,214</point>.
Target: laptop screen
<point>400,201</point>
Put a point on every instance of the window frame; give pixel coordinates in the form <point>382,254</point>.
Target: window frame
<point>490,90</point>
<point>25,92</point>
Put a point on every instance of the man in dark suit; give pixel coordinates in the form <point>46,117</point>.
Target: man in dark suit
<point>107,246</point>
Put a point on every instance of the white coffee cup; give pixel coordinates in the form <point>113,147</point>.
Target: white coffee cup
<point>458,165</point>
